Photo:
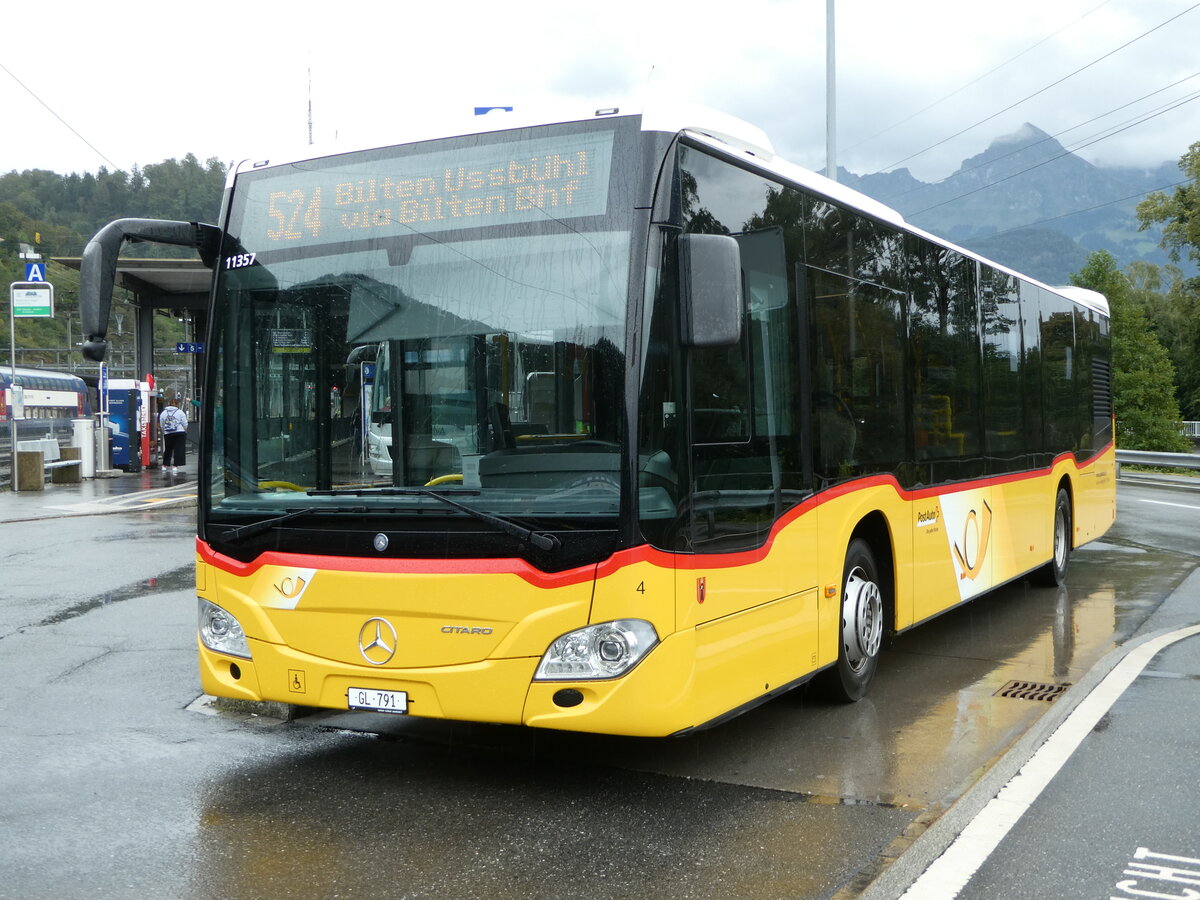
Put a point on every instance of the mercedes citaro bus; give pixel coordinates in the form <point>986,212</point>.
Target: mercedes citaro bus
<point>615,423</point>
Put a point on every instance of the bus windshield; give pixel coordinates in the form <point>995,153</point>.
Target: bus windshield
<point>445,317</point>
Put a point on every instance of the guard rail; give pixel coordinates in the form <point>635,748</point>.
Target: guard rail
<point>1154,458</point>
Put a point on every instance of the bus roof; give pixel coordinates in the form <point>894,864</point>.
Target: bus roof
<point>1084,297</point>
<point>702,124</point>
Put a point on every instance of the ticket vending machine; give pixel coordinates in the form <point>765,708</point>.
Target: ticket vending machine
<point>130,410</point>
<point>124,424</point>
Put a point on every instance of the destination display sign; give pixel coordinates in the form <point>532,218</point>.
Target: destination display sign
<point>339,199</point>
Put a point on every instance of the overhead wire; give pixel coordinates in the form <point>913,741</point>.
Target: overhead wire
<point>71,128</point>
<point>1041,90</point>
<point>978,79</point>
<point>1174,105</point>
<point>1076,212</point>
<point>1055,136</point>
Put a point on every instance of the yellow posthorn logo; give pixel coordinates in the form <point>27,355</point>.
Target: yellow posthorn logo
<point>970,560</point>
<point>290,587</point>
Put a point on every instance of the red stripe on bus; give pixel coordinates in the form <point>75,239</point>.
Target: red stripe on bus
<point>641,554</point>
<point>666,560</point>
<point>485,566</point>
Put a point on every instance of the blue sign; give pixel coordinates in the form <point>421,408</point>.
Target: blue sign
<point>35,271</point>
<point>104,388</point>
<point>188,347</point>
<point>124,404</point>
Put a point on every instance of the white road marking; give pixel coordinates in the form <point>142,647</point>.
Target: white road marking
<point>950,872</point>
<point>1168,503</point>
<point>126,502</point>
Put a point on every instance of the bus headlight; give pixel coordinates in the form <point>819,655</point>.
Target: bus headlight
<point>608,650</point>
<point>221,632</point>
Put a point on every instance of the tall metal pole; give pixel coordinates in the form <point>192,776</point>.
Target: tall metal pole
<point>830,95</point>
<point>12,419</point>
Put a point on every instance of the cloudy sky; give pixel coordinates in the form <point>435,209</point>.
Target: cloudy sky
<point>923,83</point>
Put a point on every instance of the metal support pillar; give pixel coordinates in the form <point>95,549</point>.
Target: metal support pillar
<point>144,357</point>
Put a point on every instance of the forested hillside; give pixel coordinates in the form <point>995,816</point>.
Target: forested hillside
<point>68,209</point>
<point>57,214</point>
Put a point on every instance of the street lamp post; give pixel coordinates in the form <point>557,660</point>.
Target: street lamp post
<point>830,95</point>
<point>12,388</point>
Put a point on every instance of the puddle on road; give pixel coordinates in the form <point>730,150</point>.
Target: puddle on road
<point>1114,548</point>
<point>182,528</point>
<point>174,580</point>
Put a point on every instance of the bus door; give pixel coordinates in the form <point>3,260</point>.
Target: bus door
<point>753,553</point>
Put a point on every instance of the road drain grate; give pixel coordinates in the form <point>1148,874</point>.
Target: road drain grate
<point>1031,690</point>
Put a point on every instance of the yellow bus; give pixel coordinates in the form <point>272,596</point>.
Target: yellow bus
<point>617,423</point>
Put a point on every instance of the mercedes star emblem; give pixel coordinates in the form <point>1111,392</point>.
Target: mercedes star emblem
<point>377,641</point>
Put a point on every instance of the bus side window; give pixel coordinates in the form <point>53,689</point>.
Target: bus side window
<point>944,329</point>
<point>858,387</point>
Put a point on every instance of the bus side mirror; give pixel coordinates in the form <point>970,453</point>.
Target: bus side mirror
<point>710,282</point>
<point>98,268</point>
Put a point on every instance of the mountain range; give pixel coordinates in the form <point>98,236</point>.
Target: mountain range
<point>1030,204</point>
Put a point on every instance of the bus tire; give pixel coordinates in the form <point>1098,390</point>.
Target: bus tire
<point>1054,573</point>
<point>860,625</point>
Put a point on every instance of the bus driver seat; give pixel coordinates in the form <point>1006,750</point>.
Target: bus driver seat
<point>426,459</point>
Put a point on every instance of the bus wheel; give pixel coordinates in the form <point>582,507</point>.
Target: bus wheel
<point>860,630</point>
<point>1054,573</point>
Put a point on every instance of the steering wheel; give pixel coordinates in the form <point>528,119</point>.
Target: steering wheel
<point>595,480</point>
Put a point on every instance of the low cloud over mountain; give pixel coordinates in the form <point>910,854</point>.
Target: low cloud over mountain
<point>1029,203</point>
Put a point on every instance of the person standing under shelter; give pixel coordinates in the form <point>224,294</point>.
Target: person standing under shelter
<point>174,423</point>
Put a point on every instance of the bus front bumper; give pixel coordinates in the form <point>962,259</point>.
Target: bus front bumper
<point>652,700</point>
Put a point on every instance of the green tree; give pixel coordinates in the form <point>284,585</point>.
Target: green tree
<point>1143,376</point>
<point>1178,213</point>
<point>57,214</point>
<point>1171,304</point>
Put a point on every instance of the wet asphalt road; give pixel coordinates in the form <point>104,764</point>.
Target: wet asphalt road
<point>115,785</point>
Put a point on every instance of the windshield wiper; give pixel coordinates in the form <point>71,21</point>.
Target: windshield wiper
<point>539,539</point>
<point>242,532</point>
